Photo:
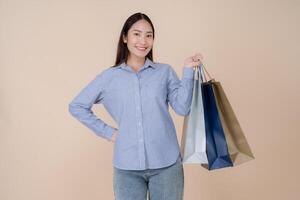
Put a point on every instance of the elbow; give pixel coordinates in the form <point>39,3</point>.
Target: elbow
<point>186,109</point>
<point>183,112</point>
<point>72,109</point>
<point>186,113</point>
<point>180,108</point>
<point>78,110</point>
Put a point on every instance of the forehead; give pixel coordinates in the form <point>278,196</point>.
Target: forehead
<point>141,26</point>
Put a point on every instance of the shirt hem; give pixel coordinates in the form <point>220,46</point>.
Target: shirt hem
<point>178,159</point>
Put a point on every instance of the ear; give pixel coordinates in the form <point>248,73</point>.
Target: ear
<point>124,39</point>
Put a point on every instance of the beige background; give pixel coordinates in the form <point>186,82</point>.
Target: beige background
<point>49,50</point>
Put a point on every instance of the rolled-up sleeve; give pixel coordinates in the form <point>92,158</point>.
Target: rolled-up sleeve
<point>81,108</point>
<point>180,91</point>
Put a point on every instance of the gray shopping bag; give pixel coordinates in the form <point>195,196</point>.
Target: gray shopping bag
<point>193,141</point>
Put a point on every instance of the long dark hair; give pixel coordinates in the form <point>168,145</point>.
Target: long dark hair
<point>122,52</point>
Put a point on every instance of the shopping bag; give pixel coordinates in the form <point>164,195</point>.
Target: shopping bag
<point>238,147</point>
<point>193,140</point>
<point>216,145</point>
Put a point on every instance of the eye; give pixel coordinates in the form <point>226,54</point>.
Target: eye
<point>136,34</point>
<point>149,35</point>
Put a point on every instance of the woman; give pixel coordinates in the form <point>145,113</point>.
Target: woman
<point>137,91</point>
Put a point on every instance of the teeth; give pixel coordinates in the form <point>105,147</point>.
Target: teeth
<point>141,48</point>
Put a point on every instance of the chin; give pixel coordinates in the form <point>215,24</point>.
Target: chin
<point>141,55</point>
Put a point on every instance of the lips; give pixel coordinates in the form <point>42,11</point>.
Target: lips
<point>141,48</point>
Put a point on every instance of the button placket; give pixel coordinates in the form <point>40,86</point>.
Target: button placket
<point>139,120</point>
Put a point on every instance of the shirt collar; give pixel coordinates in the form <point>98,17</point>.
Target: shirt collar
<point>148,63</point>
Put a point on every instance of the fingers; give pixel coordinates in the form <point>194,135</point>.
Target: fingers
<point>113,138</point>
<point>194,60</point>
<point>197,57</point>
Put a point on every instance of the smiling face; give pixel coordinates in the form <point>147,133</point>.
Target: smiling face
<point>139,39</point>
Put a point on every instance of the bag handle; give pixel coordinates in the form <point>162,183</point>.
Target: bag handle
<point>200,72</point>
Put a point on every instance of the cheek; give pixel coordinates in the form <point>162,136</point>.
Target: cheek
<point>150,43</point>
<point>131,46</point>
<point>132,39</point>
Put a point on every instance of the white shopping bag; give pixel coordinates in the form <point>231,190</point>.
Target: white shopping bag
<point>193,141</point>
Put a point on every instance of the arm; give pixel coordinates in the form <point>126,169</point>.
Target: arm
<point>180,92</point>
<point>80,108</point>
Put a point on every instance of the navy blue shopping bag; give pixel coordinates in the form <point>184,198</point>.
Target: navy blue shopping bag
<point>216,145</point>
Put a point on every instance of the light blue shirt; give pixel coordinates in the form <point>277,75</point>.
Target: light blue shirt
<point>139,103</point>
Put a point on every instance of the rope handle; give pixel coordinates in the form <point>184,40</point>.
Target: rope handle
<point>200,73</point>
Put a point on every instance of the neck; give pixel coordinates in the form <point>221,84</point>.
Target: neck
<point>135,62</point>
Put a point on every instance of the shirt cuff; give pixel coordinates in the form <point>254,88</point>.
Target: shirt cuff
<point>109,132</point>
<point>188,72</point>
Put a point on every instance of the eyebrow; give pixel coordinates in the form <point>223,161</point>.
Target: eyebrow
<point>141,31</point>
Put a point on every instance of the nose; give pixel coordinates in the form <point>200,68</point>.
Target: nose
<point>142,40</point>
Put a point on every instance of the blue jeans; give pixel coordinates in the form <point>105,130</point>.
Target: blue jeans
<point>164,183</point>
